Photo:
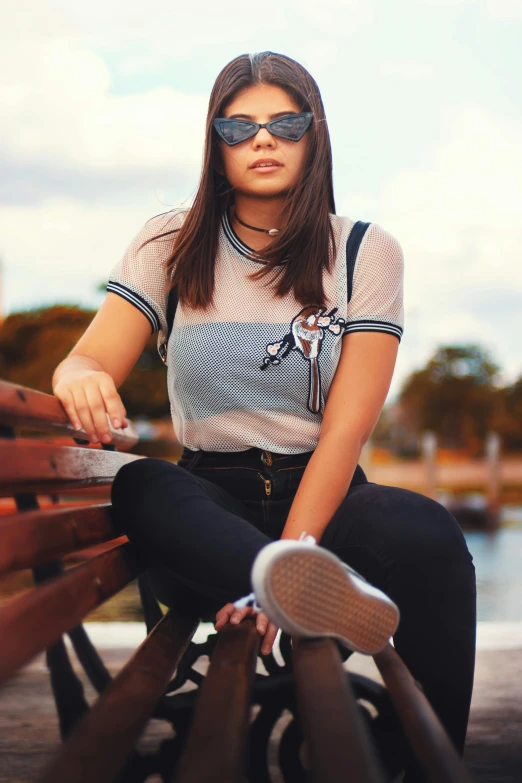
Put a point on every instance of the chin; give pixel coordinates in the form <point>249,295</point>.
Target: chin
<point>264,190</point>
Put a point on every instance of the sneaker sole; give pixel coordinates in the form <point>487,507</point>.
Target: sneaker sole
<point>308,592</point>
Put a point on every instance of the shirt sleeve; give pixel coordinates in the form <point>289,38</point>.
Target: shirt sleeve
<point>140,275</point>
<point>376,303</point>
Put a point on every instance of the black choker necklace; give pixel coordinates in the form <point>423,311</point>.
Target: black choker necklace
<point>271,231</point>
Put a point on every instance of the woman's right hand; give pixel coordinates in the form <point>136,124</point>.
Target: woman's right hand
<point>88,396</point>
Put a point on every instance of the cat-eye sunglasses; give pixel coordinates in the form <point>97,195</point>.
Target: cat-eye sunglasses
<point>292,127</point>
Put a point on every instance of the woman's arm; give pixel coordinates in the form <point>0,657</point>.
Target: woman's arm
<point>113,341</point>
<point>86,381</point>
<point>355,400</point>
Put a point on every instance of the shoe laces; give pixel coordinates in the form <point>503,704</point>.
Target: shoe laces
<point>248,600</point>
<point>306,538</point>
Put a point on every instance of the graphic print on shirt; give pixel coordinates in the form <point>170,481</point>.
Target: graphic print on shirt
<point>306,336</point>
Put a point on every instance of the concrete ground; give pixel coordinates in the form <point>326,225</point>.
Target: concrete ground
<point>29,734</point>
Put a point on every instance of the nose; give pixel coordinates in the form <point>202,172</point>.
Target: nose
<point>263,139</point>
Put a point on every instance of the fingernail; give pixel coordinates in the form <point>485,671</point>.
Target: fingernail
<point>95,439</point>
<point>261,628</point>
<point>266,650</point>
<point>77,426</point>
<point>117,423</point>
<point>106,438</point>
<point>234,620</point>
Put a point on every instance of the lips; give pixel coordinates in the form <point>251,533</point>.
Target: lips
<point>266,161</point>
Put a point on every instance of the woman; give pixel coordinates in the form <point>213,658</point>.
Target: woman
<point>278,365</point>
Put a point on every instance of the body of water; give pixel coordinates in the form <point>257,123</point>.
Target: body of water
<point>498,564</point>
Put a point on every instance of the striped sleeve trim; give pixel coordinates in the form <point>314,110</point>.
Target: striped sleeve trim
<point>373,326</point>
<point>137,300</point>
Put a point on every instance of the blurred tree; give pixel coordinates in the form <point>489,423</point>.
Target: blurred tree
<point>394,432</point>
<point>455,395</point>
<point>34,342</point>
<point>507,416</point>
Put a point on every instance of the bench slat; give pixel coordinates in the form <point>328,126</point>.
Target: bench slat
<point>216,748</point>
<point>24,407</point>
<point>35,537</point>
<point>29,466</point>
<point>105,736</point>
<point>38,618</point>
<point>339,748</point>
<point>433,748</point>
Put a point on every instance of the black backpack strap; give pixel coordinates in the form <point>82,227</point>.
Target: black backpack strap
<point>352,248</point>
<point>172,305</point>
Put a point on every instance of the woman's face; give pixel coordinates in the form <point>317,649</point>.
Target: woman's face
<point>263,103</point>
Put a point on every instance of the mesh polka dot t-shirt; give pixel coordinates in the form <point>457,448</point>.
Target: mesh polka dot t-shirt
<point>255,369</point>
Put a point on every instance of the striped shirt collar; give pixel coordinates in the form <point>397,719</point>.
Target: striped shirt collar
<point>233,238</point>
<point>236,242</point>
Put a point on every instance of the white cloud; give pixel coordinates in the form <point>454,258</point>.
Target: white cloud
<point>63,249</point>
<point>458,220</point>
<point>60,108</point>
<point>504,9</point>
<point>500,9</point>
<point>447,3</point>
<point>176,31</point>
<point>412,70</point>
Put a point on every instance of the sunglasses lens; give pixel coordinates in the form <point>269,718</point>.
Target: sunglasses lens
<point>292,128</point>
<point>235,131</point>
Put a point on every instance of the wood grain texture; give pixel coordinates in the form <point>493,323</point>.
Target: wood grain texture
<point>216,747</point>
<point>433,748</point>
<point>102,740</point>
<point>38,618</point>
<point>34,537</point>
<point>339,747</point>
<point>22,407</point>
<point>34,466</point>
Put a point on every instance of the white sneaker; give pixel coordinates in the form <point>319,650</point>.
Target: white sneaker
<point>308,591</point>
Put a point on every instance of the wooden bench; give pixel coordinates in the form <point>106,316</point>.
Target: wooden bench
<point>347,721</point>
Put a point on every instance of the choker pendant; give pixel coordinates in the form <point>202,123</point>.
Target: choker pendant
<point>271,231</point>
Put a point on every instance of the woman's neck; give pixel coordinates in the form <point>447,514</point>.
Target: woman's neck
<point>261,213</point>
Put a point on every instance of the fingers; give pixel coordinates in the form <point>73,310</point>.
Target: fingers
<point>91,402</point>
<point>223,616</point>
<point>67,401</point>
<point>262,623</point>
<point>98,412</point>
<point>84,413</point>
<point>229,614</point>
<point>270,636</point>
<point>113,403</point>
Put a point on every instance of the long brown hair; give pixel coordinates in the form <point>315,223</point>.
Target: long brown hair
<point>307,244</point>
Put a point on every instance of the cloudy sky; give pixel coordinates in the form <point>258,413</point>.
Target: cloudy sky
<point>102,114</point>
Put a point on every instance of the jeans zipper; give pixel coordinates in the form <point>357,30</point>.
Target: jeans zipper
<point>268,486</point>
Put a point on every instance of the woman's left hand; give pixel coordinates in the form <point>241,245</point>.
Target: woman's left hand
<point>229,613</point>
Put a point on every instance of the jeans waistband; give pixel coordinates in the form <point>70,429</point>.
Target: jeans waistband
<point>255,458</point>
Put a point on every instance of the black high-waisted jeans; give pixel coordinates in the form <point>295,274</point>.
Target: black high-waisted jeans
<point>199,525</point>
